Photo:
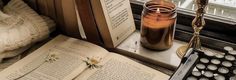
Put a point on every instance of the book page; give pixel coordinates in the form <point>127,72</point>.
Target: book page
<point>117,67</point>
<point>84,48</point>
<point>119,19</point>
<point>65,63</point>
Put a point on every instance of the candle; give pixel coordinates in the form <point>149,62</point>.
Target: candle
<point>158,25</point>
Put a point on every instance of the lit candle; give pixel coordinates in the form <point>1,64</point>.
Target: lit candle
<point>158,25</point>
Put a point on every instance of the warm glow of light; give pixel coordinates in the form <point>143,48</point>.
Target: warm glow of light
<point>155,22</point>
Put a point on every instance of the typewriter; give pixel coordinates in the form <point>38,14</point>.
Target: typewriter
<point>198,65</point>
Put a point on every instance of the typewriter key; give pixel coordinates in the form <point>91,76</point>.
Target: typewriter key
<point>219,77</point>
<point>203,78</point>
<point>229,58</point>
<point>215,61</point>
<point>196,73</point>
<point>208,74</point>
<point>232,78</point>
<point>209,54</point>
<point>234,71</point>
<point>219,56</point>
<point>204,60</point>
<point>227,64</point>
<point>228,48</point>
<point>200,67</point>
<point>191,78</point>
<point>223,70</point>
<point>212,68</point>
<point>233,52</point>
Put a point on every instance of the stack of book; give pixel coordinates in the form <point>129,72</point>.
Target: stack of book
<point>103,22</point>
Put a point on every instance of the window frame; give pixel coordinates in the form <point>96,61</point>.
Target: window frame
<point>217,33</point>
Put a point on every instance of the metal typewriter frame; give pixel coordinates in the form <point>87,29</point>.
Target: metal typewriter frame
<point>187,64</point>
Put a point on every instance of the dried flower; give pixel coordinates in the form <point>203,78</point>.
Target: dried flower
<point>51,57</point>
<point>93,62</point>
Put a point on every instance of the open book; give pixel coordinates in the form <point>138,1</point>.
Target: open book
<point>65,58</point>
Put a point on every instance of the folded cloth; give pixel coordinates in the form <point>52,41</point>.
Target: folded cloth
<point>20,8</point>
<point>12,53</point>
<point>21,26</point>
<point>10,31</point>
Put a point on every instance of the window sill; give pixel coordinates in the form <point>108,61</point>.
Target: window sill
<point>168,59</point>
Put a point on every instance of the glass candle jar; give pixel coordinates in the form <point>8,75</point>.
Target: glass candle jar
<point>158,24</point>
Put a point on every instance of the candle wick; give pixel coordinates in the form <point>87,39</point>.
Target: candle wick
<point>158,10</point>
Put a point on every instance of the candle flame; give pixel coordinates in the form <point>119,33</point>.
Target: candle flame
<point>158,10</point>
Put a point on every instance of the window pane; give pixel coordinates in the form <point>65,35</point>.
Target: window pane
<point>223,8</point>
<point>218,8</point>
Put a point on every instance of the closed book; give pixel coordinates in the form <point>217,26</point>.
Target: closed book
<point>87,18</point>
<point>66,18</point>
<point>42,7</point>
<point>114,20</point>
<point>51,8</point>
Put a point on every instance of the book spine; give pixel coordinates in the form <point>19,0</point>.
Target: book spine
<point>88,21</point>
<point>59,17</point>
<point>66,16</point>
<point>51,9</point>
<point>42,7</point>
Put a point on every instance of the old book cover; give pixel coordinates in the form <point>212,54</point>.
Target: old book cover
<point>59,19</point>
<point>114,20</point>
<point>51,9</point>
<point>42,7</point>
<point>88,21</point>
<point>66,18</point>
